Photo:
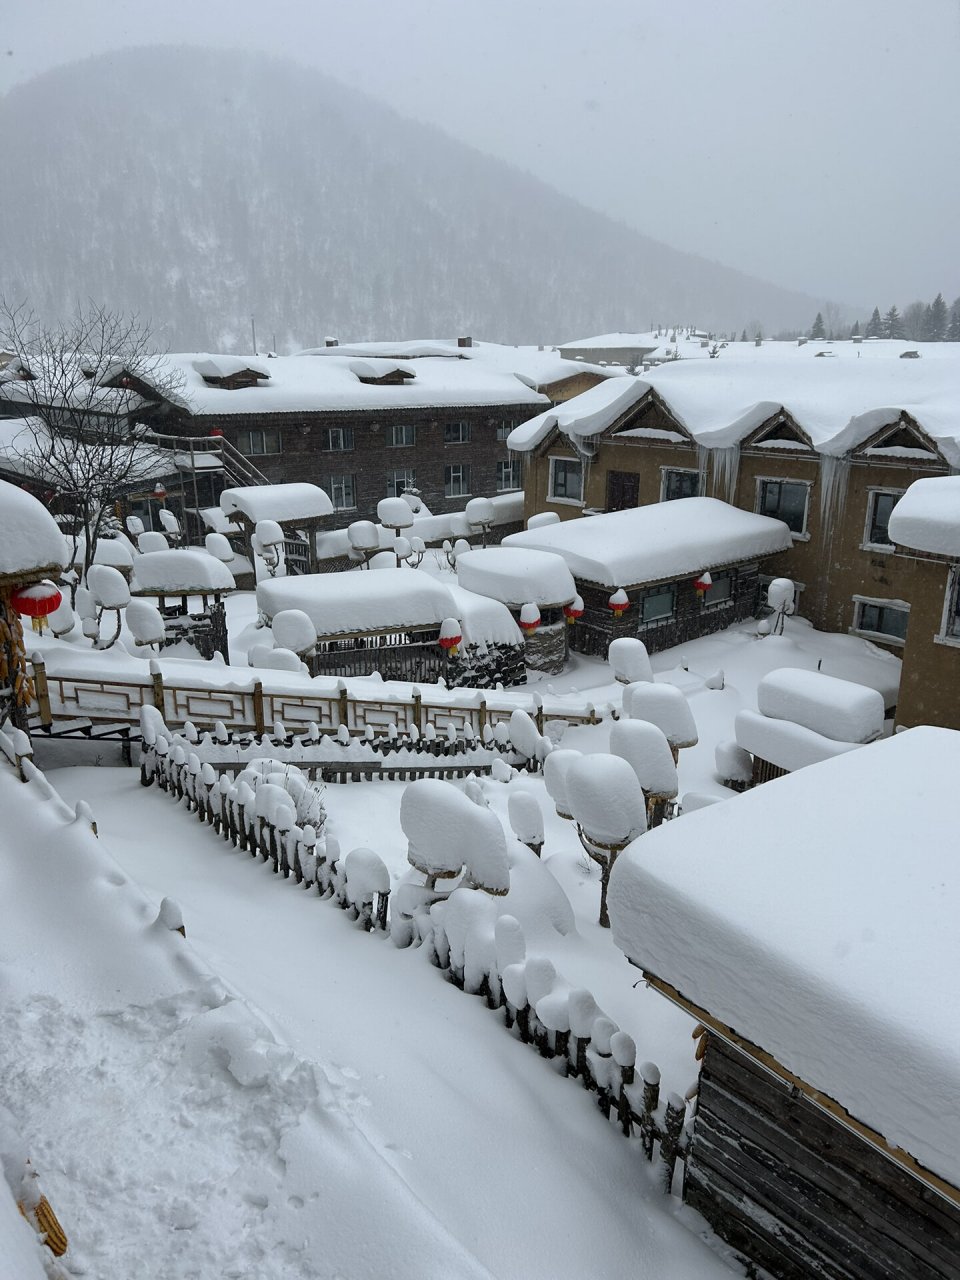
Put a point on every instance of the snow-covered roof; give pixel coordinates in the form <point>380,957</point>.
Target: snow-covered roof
<point>328,379</point>
<point>185,571</point>
<point>30,540</point>
<point>372,600</point>
<point>507,509</point>
<point>280,502</point>
<point>25,451</point>
<point>484,621</point>
<point>927,517</point>
<point>625,340</point>
<point>816,916</point>
<point>653,543</point>
<point>839,709</point>
<point>839,403</point>
<point>516,577</point>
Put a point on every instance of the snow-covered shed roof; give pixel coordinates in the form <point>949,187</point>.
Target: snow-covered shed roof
<point>484,621</point>
<point>516,576</point>
<point>927,517</point>
<point>654,543</point>
<point>350,602</point>
<point>280,502</point>
<point>329,380</point>
<point>31,544</point>
<point>839,403</point>
<point>184,571</point>
<point>816,916</point>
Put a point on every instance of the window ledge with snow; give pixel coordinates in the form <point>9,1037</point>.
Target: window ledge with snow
<point>879,637</point>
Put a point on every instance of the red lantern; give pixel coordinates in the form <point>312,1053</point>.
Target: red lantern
<point>619,603</point>
<point>702,584</point>
<point>37,602</point>
<point>450,637</point>
<point>215,433</point>
<point>573,610</point>
<point>529,619</point>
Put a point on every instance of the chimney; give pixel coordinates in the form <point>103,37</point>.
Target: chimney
<point>331,342</point>
<point>464,342</point>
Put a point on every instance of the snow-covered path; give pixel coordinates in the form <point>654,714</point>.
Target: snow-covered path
<point>512,1160</point>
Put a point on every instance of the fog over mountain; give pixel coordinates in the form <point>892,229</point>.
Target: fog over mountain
<point>198,188</point>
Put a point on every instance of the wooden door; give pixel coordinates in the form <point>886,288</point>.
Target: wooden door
<point>623,490</point>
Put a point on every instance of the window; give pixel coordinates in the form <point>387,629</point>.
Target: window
<point>503,430</point>
<point>785,500</point>
<point>679,484</point>
<point>508,475</point>
<point>658,604</point>
<point>879,506</point>
<point>882,619</point>
<point>254,443</point>
<point>456,480</point>
<point>566,479</point>
<point>336,439</point>
<point>342,490</point>
<point>402,435</point>
<point>456,433</point>
<point>951,611</point>
<point>406,478</point>
<point>721,591</point>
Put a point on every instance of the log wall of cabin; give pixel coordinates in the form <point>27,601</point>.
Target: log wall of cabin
<point>801,1195</point>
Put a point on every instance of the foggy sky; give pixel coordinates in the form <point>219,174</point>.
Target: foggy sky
<point>813,143</point>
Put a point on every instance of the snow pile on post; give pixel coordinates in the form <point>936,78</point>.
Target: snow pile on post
<point>812,967</point>
<point>516,577</point>
<point>30,541</point>
<point>647,752</point>
<point>654,543</point>
<point>183,572</point>
<point>629,660</point>
<point>449,834</point>
<point>606,799</point>
<point>665,706</point>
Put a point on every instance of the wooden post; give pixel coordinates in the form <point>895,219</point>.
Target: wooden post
<point>650,1075</point>
<point>259,725</point>
<point>670,1140</point>
<point>482,718</point>
<point>418,710</point>
<point>158,695</point>
<point>42,690</point>
<point>344,705</point>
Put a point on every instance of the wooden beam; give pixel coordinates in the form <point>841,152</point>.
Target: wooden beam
<point>825,1103</point>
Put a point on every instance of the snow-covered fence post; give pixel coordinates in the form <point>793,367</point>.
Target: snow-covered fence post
<point>673,1118</point>
<point>41,689</point>
<point>259,723</point>
<point>609,808</point>
<point>584,1012</point>
<point>650,1075</point>
<point>624,1052</point>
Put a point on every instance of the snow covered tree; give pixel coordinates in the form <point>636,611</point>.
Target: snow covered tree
<point>609,809</point>
<point>818,330</point>
<point>892,324</point>
<point>81,385</point>
<point>913,319</point>
<point>935,320</point>
<point>875,325</point>
<point>953,324</point>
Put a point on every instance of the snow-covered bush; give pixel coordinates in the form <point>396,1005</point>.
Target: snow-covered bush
<point>665,706</point>
<point>526,819</point>
<point>647,751</point>
<point>109,591</point>
<point>555,768</point>
<point>292,629</point>
<point>608,805</point>
<point>630,661</point>
<point>145,622</point>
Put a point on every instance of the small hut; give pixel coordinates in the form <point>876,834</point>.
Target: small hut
<point>301,511</point>
<point>810,928</point>
<point>401,623</point>
<point>172,578</point>
<point>536,586</point>
<point>32,549</point>
<point>665,573</point>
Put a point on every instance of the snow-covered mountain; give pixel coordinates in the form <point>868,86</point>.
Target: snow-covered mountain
<point>199,188</point>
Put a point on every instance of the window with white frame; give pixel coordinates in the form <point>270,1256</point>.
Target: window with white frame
<point>951,608</point>
<point>504,429</point>
<point>456,480</point>
<point>403,435</point>
<point>678,483</point>
<point>880,504</point>
<point>342,491</point>
<point>884,618</point>
<point>257,442</point>
<point>398,481</point>
<point>658,604</point>
<point>566,479</point>
<point>456,433</point>
<point>720,590</point>
<point>785,500</point>
<point>336,439</point>
<point>508,475</point>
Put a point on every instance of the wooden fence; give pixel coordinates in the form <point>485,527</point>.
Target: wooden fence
<point>62,697</point>
<point>591,1050</point>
